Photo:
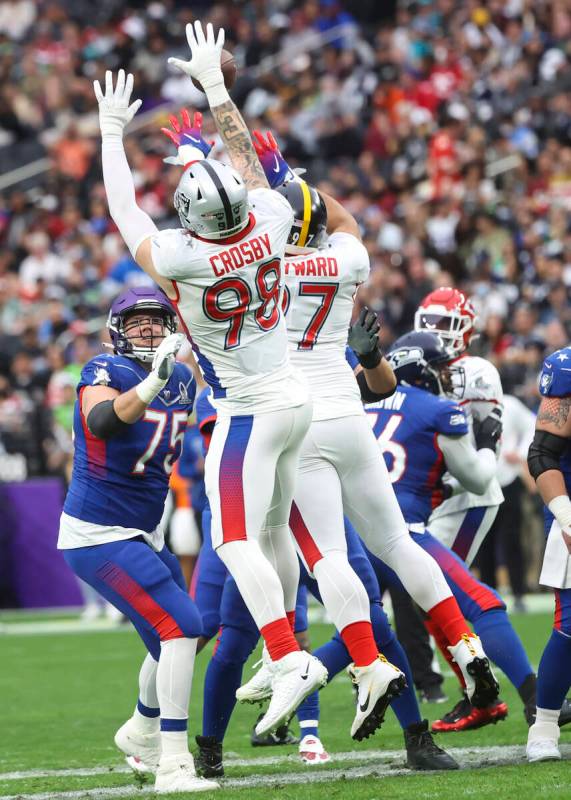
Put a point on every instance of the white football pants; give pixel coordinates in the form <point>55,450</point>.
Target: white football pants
<point>342,470</point>
<point>464,531</point>
<point>250,474</point>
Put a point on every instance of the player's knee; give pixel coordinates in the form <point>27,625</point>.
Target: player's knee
<point>562,618</point>
<point>210,624</point>
<point>186,623</point>
<point>235,645</point>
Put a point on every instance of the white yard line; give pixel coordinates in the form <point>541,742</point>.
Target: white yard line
<point>469,757</point>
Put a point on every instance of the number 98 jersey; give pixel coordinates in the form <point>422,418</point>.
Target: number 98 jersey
<point>228,294</point>
<point>123,481</point>
<point>320,287</point>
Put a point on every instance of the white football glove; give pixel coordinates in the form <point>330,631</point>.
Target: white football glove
<point>205,54</point>
<point>163,366</point>
<point>114,109</point>
<point>165,355</point>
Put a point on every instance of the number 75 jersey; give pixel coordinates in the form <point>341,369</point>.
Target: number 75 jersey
<point>122,482</point>
<point>228,299</point>
<point>320,287</point>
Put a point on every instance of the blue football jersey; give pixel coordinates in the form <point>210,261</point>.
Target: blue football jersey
<point>406,426</point>
<point>124,480</point>
<point>555,381</point>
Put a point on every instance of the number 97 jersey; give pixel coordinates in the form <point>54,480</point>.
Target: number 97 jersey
<point>320,287</point>
<point>228,294</point>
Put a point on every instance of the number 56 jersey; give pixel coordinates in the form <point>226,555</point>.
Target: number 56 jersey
<point>320,288</point>
<point>119,485</point>
<point>228,294</point>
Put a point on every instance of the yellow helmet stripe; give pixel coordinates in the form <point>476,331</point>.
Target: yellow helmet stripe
<point>306,213</point>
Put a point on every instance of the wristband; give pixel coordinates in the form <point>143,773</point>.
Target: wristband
<point>372,359</point>
<point>149,388</point>
<point>217,95</point>
<point>560,507</point>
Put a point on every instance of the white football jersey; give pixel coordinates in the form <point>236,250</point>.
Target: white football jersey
<point>319,291</point>
<point>228,296</point>
<point>482,393</point>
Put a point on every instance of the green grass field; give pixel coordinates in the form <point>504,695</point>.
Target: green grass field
<point>65,694</point>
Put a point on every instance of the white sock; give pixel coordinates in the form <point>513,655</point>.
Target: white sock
<point>547,715</point>
<point>174,682</point>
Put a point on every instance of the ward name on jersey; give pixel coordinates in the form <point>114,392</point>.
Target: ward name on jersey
<point>407,425</point>
<point>483,392</point>
<point>319,293</point>
<point>228,294</point>
<point>123,481</point>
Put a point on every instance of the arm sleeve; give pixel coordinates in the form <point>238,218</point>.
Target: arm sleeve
<point>367,394</point>
<point>134,224</point>
<point>473,468</point>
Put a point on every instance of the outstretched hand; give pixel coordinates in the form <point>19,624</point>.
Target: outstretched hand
<point>187,136</point>
<point>276,168</point>
<point>114,109</point>
<point>205,55</point>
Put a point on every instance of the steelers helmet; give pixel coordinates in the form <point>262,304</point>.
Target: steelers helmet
<point>310,215</point>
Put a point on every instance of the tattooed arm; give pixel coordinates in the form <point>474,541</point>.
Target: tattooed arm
<point>554,417</point>
<point>236,137</point>
<point>204,66</point>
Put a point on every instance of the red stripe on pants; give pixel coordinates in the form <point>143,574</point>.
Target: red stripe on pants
<point>310,551</point>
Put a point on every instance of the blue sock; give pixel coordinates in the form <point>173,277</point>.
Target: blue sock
<point>503,645</point>
<point>554,673</point>
<point>334,655</point>
<point>405,706</point>
<point>223,677</point>
<point>308,715</point>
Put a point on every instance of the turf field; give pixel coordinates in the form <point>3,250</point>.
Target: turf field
<point>65,693</point>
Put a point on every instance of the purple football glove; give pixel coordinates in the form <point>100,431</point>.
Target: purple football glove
<point>187,136</point>
<point>274,164</point>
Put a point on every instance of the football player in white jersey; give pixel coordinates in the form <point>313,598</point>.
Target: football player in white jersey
<point>222,269</point>
<point>341,467</point>
<point>462,521</point>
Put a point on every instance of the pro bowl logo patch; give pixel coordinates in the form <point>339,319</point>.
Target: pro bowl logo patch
<point>102,377</point>
<point>545,382</point>
<point>404,356</point>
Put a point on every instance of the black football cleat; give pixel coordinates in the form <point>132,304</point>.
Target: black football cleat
<point>422,753</point>
<point>281,736</point>
<point>208,762</point>
<point>432,694</point>
<point>565,715</point>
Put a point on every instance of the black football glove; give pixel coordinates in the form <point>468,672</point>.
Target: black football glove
<point>364,338</point>
<point>488,432</point>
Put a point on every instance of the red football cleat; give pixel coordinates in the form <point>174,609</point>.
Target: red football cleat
<point>465,717</point>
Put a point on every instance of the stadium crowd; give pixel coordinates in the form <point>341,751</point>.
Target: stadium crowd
<point>443,126</point>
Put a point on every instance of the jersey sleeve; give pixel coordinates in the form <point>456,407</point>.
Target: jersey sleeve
<point>351,357</point>
<point>102,371</point>
<point>172,252</point>
<point>354,255</point>
<point>450,420</point>
<point>555,378</point>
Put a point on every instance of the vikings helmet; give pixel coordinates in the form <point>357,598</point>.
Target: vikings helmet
<point>134,301</point>
<point>421,359</point>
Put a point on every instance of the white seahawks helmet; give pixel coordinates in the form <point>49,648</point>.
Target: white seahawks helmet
<point>212,200</point>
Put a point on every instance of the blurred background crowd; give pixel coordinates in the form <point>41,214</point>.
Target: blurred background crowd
<point>444,126</point>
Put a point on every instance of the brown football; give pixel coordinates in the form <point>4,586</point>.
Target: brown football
<point>229,70</point>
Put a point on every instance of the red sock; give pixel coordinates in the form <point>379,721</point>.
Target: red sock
<point>279,638</point>
<point>447,616</point>
<point>360,642</point>
<point>291,619</point>
<point>442,643</point>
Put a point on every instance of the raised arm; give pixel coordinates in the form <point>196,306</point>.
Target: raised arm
<point>473,467</point>
<point>339,220</point>
<point>135,226</point>
<point>374,374</point>
<point>204,66</point>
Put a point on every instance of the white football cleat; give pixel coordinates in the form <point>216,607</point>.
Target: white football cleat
<point>542,741</point>
<point>377,684</point>
<point>481,684</point>
<point>293,677</point>
<point>142,750</point>
<point>177,774</point>
<point>258,688</point>
<point>312,752</point>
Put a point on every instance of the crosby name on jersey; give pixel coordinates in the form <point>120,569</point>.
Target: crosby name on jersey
<point>228,299</point>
